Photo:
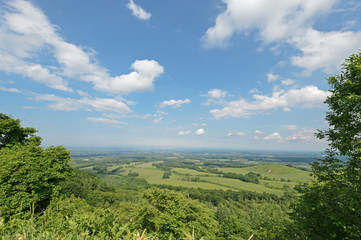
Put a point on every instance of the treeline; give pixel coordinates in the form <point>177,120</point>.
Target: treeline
<point>248,177</point>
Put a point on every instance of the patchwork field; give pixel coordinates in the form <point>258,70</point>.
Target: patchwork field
<point>273,171</point>
<point>279,177</point>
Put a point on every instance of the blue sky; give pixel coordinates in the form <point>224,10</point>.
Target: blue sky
<point>220,74</point>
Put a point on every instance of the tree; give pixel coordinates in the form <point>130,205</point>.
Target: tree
<point>330,206</point>
<point>11,132</point>
<point>29,174</point>
<point>170,213</point>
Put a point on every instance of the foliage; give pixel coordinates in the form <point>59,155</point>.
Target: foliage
<point>29,175</point>
<point>170,214</point>
<point>133,174</point>
<point>249,177</point>
<point>71,218</point>
<point>166,175</point>
<point>11,132</point>
<point>330,206</point>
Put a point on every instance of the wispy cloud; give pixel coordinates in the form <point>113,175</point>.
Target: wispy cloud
<point>137,11</point>
<point>305,134</point>
<point>71,104</point>
<point>274,137</point>
<point>288,82</point>
<point>13,90</point>
<point>235,134</point>
<point>272,77</point>
<point>183,132</point>
<point>290,127</point>
<point>105,120</point>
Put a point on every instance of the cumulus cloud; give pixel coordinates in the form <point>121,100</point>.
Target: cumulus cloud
<point>141,79</point>
<point>290,22</point>
<point>137,11</point>
<point>307,97</point>
<point>26,33</point>
<point>274,137</point>
<point>104,120</point>
<point>259,132</point>
<point>71,104</point>
<point>182,132</point>
<point>216,93</point>
<point>200,131</point>
<point>324,50</point>
<point>174,103</point>
<point>214,96</point>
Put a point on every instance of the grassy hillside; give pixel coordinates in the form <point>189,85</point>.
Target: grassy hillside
<point>274,171</point>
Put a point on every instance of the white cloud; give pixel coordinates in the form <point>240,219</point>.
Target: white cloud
<point>200,131</point>
<point>104,120</point>
<point>28,107</point>
<point>101,104</point>
<point>254,90</point>
<point>215,96</point>
<point>258,132</point>
<point>325,50</point>
<point>274,137</point>
<point>71,104</point>
<point>13,90</point>
<point>199,124</point>
<point>274,20</point>
<point>140,80</point>
<point>305,134</point>
<point>158,120</point>
<point>137,11</point>
<point>158,117</point>
<point>290,22</point>
<point>174,103</point>
<point>235,134</point>
<point>216,93</point>
<point>272,77</point>
<point>288,82</point>
<point>111,115</point>
<point>82,93</point>
<point>26,33</point>
<point>290,127</point>
<point>307,97</point>
<point>182,132</point>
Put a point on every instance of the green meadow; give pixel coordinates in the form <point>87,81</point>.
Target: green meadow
<point>274,178</point>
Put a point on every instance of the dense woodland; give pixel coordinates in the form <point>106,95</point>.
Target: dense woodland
<point>43,197</point>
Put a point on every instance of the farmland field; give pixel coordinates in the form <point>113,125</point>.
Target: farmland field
<point>229,171</point>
